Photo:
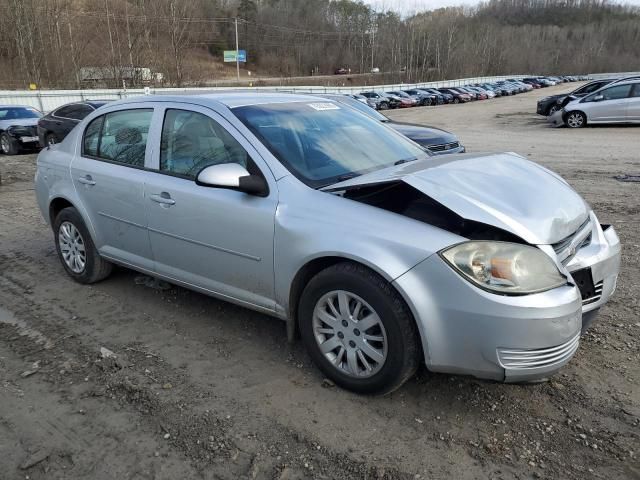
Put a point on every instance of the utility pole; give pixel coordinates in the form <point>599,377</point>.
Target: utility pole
<point>237,53</point>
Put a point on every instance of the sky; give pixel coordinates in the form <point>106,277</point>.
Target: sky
<point>410,6</point>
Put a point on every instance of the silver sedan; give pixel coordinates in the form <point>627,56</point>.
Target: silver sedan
<point>377,254</point>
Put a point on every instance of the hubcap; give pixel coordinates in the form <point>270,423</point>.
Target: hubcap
<point>4,144</point>
<point>51,140</point>
<point>574,120</point>
<point>72,247</point>
<point>350,334</point>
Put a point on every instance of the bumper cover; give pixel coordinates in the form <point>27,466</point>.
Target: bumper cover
<point>467,330</point>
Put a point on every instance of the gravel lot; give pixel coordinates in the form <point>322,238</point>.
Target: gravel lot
<point>199,388</point>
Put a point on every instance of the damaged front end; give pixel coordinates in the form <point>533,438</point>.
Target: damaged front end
<point>497,198</point>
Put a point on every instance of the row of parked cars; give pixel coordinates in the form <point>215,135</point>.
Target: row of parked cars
<point>421,97</point>
<point>25,128</point>
<point>606,100</point>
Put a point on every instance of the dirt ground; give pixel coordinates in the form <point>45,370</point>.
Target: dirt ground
<point>202,389</point>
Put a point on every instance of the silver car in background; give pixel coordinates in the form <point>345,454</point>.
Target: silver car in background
<point>380,256</point>
<point>617,102</point>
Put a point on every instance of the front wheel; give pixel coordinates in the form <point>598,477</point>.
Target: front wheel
<point>384,106</point>
<point>456,100</point>
<point>8,145</point>
<point>575,120</point>
<point>50,139</point>
<point>76,250</point>
<point>358,330</point>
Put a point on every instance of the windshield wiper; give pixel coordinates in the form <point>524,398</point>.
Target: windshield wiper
<point>405,160</point>
<point>341,178</point>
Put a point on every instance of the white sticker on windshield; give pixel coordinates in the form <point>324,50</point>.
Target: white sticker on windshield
<point>324,106</point>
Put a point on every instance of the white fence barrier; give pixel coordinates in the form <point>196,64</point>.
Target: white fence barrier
<point>47,100</point>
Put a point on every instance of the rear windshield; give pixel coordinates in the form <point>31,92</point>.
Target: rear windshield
<point>322,143</point>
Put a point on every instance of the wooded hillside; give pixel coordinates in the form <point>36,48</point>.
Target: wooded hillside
<point>48,43</point>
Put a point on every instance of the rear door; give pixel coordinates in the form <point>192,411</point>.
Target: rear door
<point>108,174</point>
<point>633,108</point>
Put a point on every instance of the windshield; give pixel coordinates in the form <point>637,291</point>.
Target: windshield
<point>16,113</point>
<point>322,143</point>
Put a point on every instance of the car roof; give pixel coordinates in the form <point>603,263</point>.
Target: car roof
<point>230,99</point>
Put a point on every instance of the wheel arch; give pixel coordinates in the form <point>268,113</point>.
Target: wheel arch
<point>314,266</point>
<point>586,118</point>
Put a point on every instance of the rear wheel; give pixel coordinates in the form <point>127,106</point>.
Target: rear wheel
<point>384,106</point>
<point>358,330</point>
<point>76,250</point>
<point>456,100</point>
<point>8,145</point>
<point>575,120</point>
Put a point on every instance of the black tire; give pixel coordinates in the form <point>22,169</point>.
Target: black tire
<point>96,268</point>
<point>575,119</point>
<point>384,106</point>
<point>50,139</point>
<point>403,344</point>
<point>8,145</point>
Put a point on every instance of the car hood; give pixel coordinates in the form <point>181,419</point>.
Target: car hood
<point>504,190</point>
<point>423,134</point>
<point>24,122</point>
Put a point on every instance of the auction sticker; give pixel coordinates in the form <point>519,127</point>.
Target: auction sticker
<point>324,106</point>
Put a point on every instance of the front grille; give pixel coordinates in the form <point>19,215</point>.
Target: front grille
<point>444,147</point>
<point>597,294</point>
<point>565,249</point>
<point>25,131</point>
<point>538,358</point>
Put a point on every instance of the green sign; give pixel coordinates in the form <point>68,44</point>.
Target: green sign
<point>230,56</point>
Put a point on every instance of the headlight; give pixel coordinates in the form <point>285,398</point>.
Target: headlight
<point>502,267</point>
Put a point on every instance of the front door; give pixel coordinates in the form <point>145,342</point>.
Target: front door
<point>219,240</point>
<point>108,175</point>
<point>633,107</point>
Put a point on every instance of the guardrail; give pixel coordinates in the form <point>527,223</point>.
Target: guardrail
<point>47,100</point>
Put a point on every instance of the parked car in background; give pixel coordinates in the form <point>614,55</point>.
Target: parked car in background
<point>360,98</point>
<point>482,95</point>
<point>492,88</point>
<point>375,70</point>
<point>380,102</point>
<point>406,100</point>
<point>617,102</point>
<point>472,95</point>
<point>446,97</point>
<point>435,140</point>
<point>18,128</point>
<point>423,98</point>
<point>374,251</point>
<point>340,71</point>
<point>53,127</point>
<point>549,105</point>
<point>458,97</point>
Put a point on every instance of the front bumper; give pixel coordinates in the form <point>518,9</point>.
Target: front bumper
<point>467,330</point>
<point>557,119</point>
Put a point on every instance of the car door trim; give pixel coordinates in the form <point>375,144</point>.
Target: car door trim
<point>202,244</point>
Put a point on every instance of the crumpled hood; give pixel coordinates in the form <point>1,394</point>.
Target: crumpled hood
<point>504,190</point>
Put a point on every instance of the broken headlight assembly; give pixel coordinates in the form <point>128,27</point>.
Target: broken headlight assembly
<point>503,267</point>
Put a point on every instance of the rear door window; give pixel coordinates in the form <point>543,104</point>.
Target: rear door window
<point>119,137</point>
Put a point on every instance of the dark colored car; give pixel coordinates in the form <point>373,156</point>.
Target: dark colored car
<point>53,127</point>
<point>18,128</point>
<point>340,71</point>
<point>424,99</point>
<point>458,97</point>
<point>549,105</point>
<point>406,100</point>
<point>434,140</point>
<point>446,97</point>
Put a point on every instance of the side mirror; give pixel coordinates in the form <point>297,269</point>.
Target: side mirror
<point>233,176</point>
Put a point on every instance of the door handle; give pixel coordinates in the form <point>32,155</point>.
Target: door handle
<point>87,180</point>
<point>164,198</point>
